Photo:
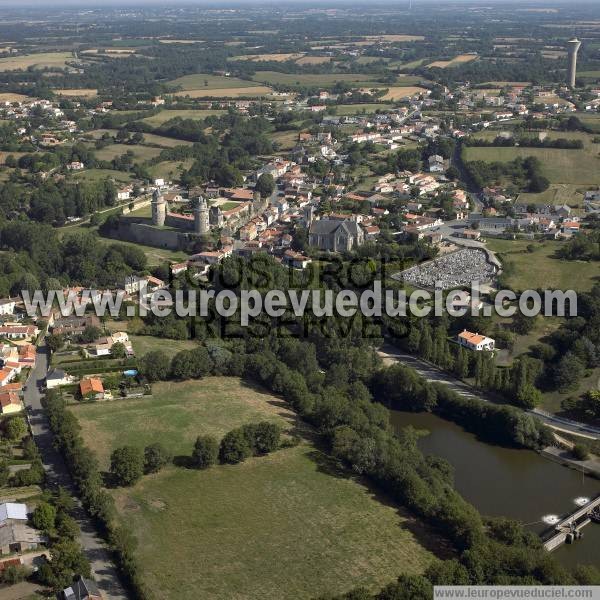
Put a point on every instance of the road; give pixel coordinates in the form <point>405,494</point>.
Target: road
<point>431,373</point>
<point>105,571</point>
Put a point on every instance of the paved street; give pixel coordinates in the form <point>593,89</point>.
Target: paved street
<point>431,373</point>
<point>105,571</point>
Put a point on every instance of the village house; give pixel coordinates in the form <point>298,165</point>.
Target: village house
<point>15,534</point>
<point>470,234</point>
<point>91,388</point>
<point>57,377</point>
<point>475,341</point>
<point>19,332</point>
<point>296,260</point>
<point>81,589</point>
<point>10,403</point>
<point>74,325</point>
<point>7,306</point>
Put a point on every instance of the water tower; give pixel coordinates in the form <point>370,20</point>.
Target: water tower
<point>573,47</point>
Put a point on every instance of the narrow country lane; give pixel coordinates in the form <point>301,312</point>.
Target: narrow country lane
<point>431,373</point>
<point>103,567</point>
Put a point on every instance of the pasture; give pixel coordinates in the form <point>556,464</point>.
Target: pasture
<point>316,526</point>
<point>10,97</point>
<point>140,153</point>
<point>166,115</point>
<point>228,92</point>
<point>549,272</point>
<point>77,93</point>
<point>401,92</point>
<point>461,59</point>
<point>580,167</point>
<point>311,79</point>
<point>36,61</point>
<point>267,57</point>
<point>199,81</point>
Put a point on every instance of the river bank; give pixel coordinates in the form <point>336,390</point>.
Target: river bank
<point>515,483</point>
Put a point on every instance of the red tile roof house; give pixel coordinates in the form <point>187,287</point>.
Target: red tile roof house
<point>7,374</point>
<point>19,332</point>
<point>91,388</point>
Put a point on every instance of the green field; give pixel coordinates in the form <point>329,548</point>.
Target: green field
<point>309,79</point>
<point>165,115</point>
<point>557,193</point>
<point>101,174</point>
<point>177,412</point>
<point>286,139</point>
<point>580,167</point>
<point>356,109</point>
<point>307,528</point>
<point>142,344</point>
<point>169,169</point>
<point>549,272</point>
<point>141,153</point>
<point>155,256</point>
<point>41,60</point>
<point>164,142</point>
<point>589,74</point>
<point>200,81</point>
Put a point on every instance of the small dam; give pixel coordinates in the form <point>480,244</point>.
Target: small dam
<point>568,530</point>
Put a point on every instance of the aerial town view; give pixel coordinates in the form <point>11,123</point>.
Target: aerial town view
<point>299,300</point>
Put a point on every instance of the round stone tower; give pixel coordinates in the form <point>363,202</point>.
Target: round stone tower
<point>201,222</point>
<point>159,209</point>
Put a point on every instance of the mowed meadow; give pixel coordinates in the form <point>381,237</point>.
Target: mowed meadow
<point>579,166</point>
<point>275,527</point>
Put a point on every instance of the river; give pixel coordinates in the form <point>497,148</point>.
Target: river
<point>507,482</point>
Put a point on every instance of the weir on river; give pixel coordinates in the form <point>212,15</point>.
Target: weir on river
<point>569,528</point>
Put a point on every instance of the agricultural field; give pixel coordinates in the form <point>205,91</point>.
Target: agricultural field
<point>579,167</point>
<point>357,109</point>
<point>101,174</point>
<point>10,97</point>
<point>141,153</point>
<point>461,59</point>
<point>592,120</point>
<point>77,93</point>
<point>285,139</point>
<point>316,527</point>
<point>398,93</point>
<point>169,169</point>
<point>200,81</point>
<point>35,61</point>
<point>253,91</point>
<point>557,193</point>
<point>310,79</point>
<point>267,57</point>
<point>313,60</point>
<point>142,344</point>
<point>164,142</point>
<point>162,117</point>
<point>549,272</point>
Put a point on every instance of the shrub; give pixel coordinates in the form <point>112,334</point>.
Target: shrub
<point>206,451</point>
<point>234,447</point>
<point>580,452</point>
<point>156,456</point>
<point>127,465</point>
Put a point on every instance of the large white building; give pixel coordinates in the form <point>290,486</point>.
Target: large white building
<point>476,341</point>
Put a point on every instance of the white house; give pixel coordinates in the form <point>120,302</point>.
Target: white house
<point>57,377</point>
<point>7,306</point>
<point>475,341</point>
